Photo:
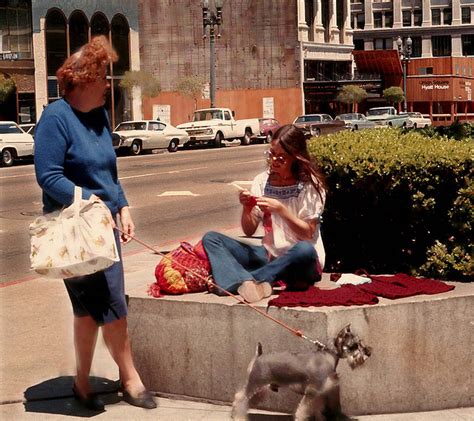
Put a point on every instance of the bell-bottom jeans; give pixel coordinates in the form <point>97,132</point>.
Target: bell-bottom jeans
<point>233,262</point>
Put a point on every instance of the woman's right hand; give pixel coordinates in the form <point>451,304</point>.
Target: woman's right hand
<point>246,199</point>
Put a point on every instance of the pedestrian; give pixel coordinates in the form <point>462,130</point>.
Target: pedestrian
<point>73,147</point>
<point>288,199</point>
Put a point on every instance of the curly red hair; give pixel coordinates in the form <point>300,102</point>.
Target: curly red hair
<point>86,65</point>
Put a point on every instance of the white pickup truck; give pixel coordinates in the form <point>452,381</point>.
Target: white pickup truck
<point>213,125</point>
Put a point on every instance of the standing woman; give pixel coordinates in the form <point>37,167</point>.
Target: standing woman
<point>73,147</point>
<point>288,199</point>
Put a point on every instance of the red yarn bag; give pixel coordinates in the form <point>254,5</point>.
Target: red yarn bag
<point>172,278</point>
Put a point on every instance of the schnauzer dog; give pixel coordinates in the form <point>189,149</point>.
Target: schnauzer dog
<point>311,374</point>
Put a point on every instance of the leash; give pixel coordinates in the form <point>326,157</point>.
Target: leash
<point>210,283</point>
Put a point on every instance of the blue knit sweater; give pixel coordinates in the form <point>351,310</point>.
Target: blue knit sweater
<point>75,148</point>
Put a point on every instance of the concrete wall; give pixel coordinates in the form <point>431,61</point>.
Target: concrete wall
<point>200,346</point>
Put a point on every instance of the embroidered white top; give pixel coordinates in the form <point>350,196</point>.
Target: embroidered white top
<point>302,200</point>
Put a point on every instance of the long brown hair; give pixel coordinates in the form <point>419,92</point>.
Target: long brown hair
<point>293,141</point>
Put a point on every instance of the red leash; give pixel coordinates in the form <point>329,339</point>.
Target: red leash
<point>210,283</point>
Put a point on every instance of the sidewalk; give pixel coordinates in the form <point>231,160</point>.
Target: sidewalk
<point>38,361</point>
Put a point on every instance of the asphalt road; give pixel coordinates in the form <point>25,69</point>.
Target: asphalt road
<point>172,196</point>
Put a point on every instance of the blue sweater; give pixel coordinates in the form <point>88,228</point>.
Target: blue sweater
<point>75,148</point>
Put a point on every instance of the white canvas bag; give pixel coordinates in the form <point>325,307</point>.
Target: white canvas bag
<point>76,241</point>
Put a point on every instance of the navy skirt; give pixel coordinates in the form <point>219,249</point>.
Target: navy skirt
<point>100,295</point>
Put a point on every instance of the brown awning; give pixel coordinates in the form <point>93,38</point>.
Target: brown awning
<point>385,62</point>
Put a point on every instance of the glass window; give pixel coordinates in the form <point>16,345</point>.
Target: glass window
<point>120,42</point>
<point>359,44</point>
<point>435,16</point>
<point>15,28</point>
<point>467,45</point>
<point>56,44</point>
<point>99,25</point>
<point>441,45</point>
<point>416,47</point>
<point>447,16</point>
<point>78,31</point>
<point>465,15</point>
<point>417,17</point>
<point>227,115</point>
<point>377,19</point>
<point>388,19</point>
<point>360,21</point>
<point>383,44</point>
<point>406,16</point>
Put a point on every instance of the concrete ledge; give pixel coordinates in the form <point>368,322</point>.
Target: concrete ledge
<point>199,345</point>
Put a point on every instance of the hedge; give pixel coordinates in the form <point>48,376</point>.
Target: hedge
<point>397,202</point>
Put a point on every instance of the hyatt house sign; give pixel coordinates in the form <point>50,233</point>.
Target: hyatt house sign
<point>434,85</point>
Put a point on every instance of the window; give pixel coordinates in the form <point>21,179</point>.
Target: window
<point>15,28</point>
<point>425,71</point>
<point>416,47</point>
<point>56,44</point>
<point>406,17</point>
<point>227,115</point>
<point>418,17</point>
<point>383,44</point>
<point>436,17</point>
<point>388,19</point>
<point>99,25</point>
<point>465,15</point>
<point>441,45</point>
<point>78,31</point>
<point>377,19</point>
<point>120,42</point>
<point>447,16</point>
<point>359,44</point>
<point>467,45</point>
<point>360,21</point>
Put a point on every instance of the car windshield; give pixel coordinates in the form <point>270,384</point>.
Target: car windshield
<point>414,114</point>
<point>137,125</point>
<point>380,111</point>
<point>9,128</point>
<point>307,118</point>
<point>204,115</point>
<point>346,117</point>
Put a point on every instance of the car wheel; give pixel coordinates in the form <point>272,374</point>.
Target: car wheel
<point>173,146</point>
<point>390,124</point>
<point>269,137</point>
<point>136,147</point>
<point>8,157</point>
<point>218,140</point>
<point>356,127</point>
<point>415,126</point>
<point>247,138</point>
<point>316,132</point>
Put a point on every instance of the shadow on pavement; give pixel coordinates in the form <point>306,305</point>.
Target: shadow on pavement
<point>269,417</point>
<point>55,396</point>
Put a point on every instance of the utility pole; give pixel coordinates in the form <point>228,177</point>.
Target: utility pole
<point>404,50</point>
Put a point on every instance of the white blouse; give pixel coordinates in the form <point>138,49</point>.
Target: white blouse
<point>303,201</point>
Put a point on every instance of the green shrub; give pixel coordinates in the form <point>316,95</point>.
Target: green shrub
<point>397,202</point>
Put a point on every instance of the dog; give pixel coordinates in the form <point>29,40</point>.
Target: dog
<point>311,374</point>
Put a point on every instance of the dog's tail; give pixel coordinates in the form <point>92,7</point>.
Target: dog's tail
<point>259,350</point>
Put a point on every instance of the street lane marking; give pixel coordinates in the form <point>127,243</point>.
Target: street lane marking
<point>248,162</point>
<point>178,193</point>
<point>160,173</point>
<point>17,176</point>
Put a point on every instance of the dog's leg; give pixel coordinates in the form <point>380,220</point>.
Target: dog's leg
<point>242,399</point>
<point>307,407</point>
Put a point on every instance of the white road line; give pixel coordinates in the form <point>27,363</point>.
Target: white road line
<point>178,193</point>
<point>17,176</point>
<point>248,162</point>
<point>160,173</point>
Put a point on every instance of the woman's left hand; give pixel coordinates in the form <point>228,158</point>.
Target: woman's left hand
<point>128,227</point>
<point>267,204</point>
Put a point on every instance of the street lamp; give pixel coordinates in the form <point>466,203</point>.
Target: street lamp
<point>211,19</point>
<point>404,50</point>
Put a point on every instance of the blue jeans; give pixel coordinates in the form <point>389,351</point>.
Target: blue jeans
<point>233,262</point>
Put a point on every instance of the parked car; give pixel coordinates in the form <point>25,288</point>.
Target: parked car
<point>417,120</point>
<point>14,143</point>
<point>396,120</point>
<point>380,114</point>
<point>356,121</point>
<point>28,128</point>
<point>268,127</point>
<point>137,136</point>
<point>318,124</point>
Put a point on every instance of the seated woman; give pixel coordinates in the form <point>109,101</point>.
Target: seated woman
<point>289,199</point>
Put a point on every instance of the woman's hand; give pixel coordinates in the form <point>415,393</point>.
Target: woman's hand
<point>266,204</point>
<point>128,227</point>
<point>247,200</point>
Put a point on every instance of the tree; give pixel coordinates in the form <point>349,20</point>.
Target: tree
<point>191,86</point>
<point>7,86</point>
<point>393,95</point>
<point>352,95</point>
<point>149,85</point>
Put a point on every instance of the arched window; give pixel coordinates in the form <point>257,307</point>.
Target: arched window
<point>99,25</point>
<point>56,44</point>
<point>78,31</point>
<point>121,44</point>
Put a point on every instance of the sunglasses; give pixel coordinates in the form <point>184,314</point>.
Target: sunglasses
<point>272,157</point>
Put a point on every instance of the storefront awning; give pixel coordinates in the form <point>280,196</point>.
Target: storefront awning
<point>385,62</point>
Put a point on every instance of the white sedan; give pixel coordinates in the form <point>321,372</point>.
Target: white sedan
<point>138,136</point>
<point>417,121</point>
<point>14,143</point>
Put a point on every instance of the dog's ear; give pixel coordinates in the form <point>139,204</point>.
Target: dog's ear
<point>259,350</point>
<point>345,330</point>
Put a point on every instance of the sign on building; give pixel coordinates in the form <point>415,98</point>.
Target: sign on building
<point>162,113</point>
<point>268,107</point>
<point>206,91</point>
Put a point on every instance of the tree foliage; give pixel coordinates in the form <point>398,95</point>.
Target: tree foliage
<point>191,86</point>
<point>7,86</point>
<point>352,95</point>
<point>149,85</point>
<point>393,95</point>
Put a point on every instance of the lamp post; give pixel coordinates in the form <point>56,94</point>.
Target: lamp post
<point>404,50</point>
<point>212,18</point>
